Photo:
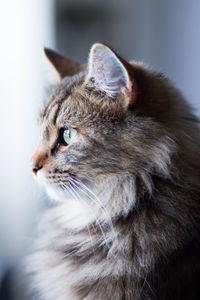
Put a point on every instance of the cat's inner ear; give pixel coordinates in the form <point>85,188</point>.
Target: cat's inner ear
<point>63,65</point>
<point>107,71</point>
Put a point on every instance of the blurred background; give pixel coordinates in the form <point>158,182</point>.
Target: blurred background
<point>163,34</point>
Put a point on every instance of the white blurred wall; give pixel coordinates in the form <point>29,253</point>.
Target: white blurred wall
<point>25,27</point>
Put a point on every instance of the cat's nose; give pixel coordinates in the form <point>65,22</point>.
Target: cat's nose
<point>36,167</point>
<point>37,161</point>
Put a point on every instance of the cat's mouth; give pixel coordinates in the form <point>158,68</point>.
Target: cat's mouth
<point>55,188</point>
<point>63,188</point>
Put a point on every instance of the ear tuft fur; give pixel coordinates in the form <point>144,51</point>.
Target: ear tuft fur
<point>63,65</point>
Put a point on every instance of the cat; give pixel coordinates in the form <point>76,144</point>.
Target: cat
<point>119,153</point>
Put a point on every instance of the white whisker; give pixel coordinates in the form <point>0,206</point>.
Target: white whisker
<point>77,197</point>
<point>96,199</point>
<point>102,231</point>
<point>84,189</point>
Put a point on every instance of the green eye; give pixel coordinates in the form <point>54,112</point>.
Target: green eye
<point>69,135</point>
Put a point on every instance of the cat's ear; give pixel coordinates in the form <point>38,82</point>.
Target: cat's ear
<point>63,65</point>
<point>108,72</point>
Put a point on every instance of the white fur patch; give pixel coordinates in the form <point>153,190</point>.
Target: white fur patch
<point>76,213</point>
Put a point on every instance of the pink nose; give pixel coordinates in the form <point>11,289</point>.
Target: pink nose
<point>36,168</point>
<point>37,161</point>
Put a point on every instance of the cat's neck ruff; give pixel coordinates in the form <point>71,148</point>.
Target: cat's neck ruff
<point>73,214</point>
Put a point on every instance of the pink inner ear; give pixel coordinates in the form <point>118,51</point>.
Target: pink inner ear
<point>108,72</point>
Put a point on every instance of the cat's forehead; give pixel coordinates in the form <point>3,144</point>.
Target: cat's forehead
<point>68,106</point>
<point>74,104</point>
<point>59,97</point>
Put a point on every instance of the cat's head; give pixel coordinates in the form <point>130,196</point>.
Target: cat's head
<point>105,122</point>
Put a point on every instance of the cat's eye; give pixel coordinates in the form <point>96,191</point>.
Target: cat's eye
<point>69,135</point>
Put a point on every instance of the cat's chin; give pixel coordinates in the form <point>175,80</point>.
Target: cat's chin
<point>56,193</point>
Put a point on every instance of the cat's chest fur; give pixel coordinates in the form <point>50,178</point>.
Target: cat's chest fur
<point>53,262</point>
<point>78,258</point>
<point>71,253</point>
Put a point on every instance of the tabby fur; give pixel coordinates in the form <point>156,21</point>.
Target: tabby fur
<point>126,222</point>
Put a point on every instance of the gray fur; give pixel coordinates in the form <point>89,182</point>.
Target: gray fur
<point>132,231</point>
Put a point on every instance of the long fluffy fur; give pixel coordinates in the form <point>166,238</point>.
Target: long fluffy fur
<point>130,226</point>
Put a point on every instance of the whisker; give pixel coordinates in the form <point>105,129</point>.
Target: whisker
<point>86,191</point>
<point>102,231</point>
<point>77,197</point>
<point>98,202</point>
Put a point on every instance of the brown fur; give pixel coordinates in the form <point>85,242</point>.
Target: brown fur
<point>142,162</point>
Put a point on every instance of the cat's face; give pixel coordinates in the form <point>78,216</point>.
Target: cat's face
<point>91,130</point>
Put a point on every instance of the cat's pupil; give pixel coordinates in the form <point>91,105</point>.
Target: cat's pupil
<point>62,133</point>
<point>68,132</point>
<point>60,141</point>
